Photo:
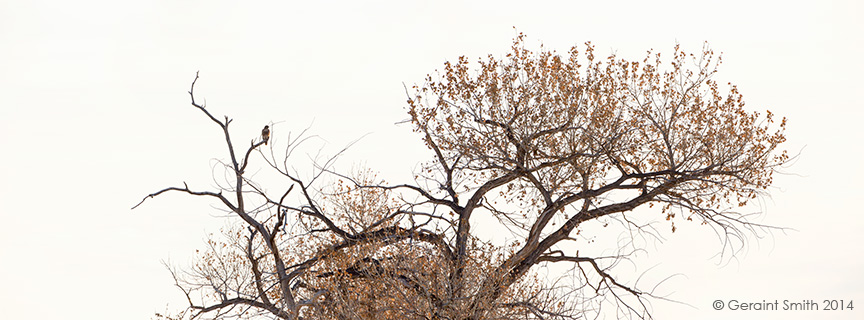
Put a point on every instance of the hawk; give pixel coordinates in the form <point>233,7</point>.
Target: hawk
<point>265,134</point>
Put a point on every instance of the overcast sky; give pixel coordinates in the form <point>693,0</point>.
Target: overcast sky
<point>94,115</point>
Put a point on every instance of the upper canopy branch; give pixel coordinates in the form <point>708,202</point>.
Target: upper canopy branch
<point>196,193</point>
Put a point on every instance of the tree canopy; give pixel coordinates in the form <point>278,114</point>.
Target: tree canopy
<point>540,141</point>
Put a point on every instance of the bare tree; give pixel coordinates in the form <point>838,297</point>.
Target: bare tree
<point>537,141</point>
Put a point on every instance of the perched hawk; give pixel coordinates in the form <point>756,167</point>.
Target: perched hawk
<point>265,134</point>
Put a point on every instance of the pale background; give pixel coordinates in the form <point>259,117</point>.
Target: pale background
<point>94,115</point>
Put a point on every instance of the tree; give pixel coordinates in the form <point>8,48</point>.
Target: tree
<point>539,142</point>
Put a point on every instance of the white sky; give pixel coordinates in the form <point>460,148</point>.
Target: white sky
<point>94,115</point>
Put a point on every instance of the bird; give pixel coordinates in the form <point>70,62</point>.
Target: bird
<point>265,134</point>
